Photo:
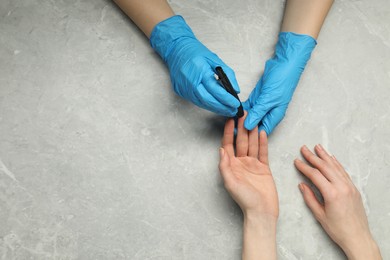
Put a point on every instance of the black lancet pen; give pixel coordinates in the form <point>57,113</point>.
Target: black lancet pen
<point>223,79</point>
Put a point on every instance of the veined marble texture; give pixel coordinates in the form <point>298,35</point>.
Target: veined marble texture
<point>99,159</point>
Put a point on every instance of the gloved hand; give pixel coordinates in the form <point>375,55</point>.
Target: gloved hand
<point>191,67</point>
<point>267,104</point>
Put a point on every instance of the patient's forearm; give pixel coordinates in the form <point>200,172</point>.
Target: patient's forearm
<point>146,14</point>
<point>305,16</point>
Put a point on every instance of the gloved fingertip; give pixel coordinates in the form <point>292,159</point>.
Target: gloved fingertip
<point>235,104</point>
<point>250,121</point>
<point>246,105</point>
<point>231,112</point>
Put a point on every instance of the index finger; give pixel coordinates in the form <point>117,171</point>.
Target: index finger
<point>242,138</point>
<point>218,91</point>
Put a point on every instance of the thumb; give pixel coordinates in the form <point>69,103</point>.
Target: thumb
<point>312,202</point>
<point>255,115</point>
<point>272,119</point>
<point>232,78</point>
<point>246,105</point>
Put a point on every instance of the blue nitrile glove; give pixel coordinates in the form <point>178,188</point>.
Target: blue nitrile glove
<point>191,67</point>
<point>267,104</point>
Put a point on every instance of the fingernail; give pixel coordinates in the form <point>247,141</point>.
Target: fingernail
<point>305,147</point>
<point>301,187</point>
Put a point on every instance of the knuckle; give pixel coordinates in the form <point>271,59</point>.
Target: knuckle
<point>332,195</point>
<point>241,143</point>
<point>346,191</point>
<point>314,172</point>
<point>317,162</point>
<point>253,144</point>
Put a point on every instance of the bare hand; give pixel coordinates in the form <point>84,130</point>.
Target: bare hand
<point>342,214</point>
<point>247,175</point>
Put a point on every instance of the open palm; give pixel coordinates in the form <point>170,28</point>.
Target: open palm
<point>246,173</point>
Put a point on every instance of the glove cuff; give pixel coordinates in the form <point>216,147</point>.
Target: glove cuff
<point>294,47</point>
<point>165,33</point>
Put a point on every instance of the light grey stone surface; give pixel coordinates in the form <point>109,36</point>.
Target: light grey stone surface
<point>99,159</point>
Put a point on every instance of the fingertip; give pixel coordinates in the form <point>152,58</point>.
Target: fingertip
<point>263,135</point>
<point>247,125</point>
<point>301,188</point>
<point>265,125</point>
<point>212,93</point>
<point>264,129</point>
<point>234,102</point>
<point>297,161</point>
<point>304,148</point>
<point>246,105</point>
<point>232,112</point>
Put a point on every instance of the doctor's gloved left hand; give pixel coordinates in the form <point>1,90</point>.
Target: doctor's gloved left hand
<point>191,67</point>
<point>267,104</point>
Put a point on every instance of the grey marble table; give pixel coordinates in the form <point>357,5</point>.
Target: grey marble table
<point>99,159</point>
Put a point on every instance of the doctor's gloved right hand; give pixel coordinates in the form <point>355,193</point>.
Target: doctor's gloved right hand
<point>191,67</point>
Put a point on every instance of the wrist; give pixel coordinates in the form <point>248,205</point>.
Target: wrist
<point>259,236</point>
<point>167,32</point>
<point>266,223</point>
<point>294,48</point>
<point>364,247</point>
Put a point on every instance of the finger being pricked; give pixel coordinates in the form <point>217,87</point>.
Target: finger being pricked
<point>242,138</point>
<point>322,165</point>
